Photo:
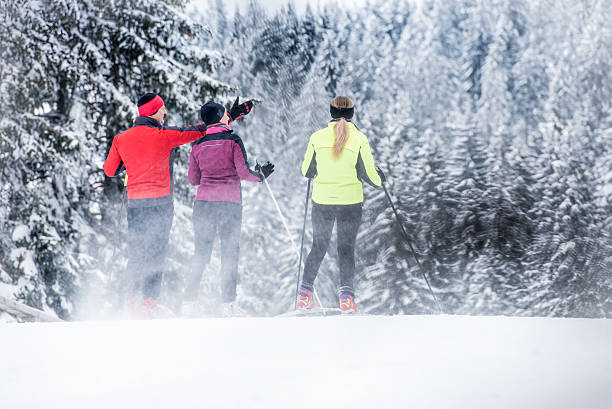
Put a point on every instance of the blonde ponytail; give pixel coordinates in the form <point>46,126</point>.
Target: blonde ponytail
<point>341,129</point>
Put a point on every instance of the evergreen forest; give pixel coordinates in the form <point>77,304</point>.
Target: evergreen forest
<point>491,119</point>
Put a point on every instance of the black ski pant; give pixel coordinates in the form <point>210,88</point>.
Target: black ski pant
<point>209,220</point>
<point>348,220</point>
<point>148,235</point>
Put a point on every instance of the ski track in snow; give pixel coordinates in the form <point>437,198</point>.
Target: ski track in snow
<point>309,362</point>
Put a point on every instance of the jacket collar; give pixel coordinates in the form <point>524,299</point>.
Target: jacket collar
<point>147,121</point>
<point>216,128</point>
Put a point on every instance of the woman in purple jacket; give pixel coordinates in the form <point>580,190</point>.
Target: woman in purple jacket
<point>217,164</point>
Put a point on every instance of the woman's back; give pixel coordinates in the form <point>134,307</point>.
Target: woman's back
<point>338,157</point>
<point>217,163</point>
<point>339,178</point>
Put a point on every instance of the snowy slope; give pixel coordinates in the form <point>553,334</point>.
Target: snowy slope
<point>310,362</point>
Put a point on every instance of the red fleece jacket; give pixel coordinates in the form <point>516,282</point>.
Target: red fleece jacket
<point>146,151</point>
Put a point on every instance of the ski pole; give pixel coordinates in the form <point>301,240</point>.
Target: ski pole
<point>286,228</point>
<point>281,216</point>
<point>297,288</point>
<point>412,250</point>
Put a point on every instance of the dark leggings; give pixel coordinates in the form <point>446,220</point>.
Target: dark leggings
<point>348,219</point>
<point>209,220</point>
<point>148,234</point>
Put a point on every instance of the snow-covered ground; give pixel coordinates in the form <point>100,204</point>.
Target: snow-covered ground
<point>310,362</point>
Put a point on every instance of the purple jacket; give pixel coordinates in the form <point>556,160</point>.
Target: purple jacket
<point>217,163</point>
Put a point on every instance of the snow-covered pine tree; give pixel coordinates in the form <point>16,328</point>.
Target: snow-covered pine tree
<point>565,255</point>
<point>77,68</point>
<point>596,45</point>
<point>467,184</point>
<point>570,244</point>
<point>505,221</point>
<point>43,149</point>
<point>216,17</point>
<point>475,47</point>
<point>426,66</point>
<point>331,57</point>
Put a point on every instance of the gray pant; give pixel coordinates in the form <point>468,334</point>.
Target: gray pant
<point>148,235</point>
<point>212,219</point>
<point>348,219</point>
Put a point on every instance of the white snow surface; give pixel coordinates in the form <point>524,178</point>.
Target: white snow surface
<point>309,362</point>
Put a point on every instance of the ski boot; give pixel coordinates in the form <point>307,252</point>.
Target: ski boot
<point>347,303</point>
<point>305,299</point>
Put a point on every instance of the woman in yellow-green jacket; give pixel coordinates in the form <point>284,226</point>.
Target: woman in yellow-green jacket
<point>339,159</point>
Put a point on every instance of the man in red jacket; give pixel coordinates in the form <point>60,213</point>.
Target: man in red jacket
<point>147,152</point>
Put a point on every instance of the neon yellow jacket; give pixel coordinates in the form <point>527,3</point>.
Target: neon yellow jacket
<point>338,181</point>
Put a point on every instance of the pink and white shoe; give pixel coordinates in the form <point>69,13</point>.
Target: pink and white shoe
<point>305,299</point>
<point>347,303</point>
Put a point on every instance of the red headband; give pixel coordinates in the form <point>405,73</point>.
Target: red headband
<point>151,107</point>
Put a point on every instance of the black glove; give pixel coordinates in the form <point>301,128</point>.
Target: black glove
<point>239,110</point>
<point>265,170</point>
<point>383,178</point>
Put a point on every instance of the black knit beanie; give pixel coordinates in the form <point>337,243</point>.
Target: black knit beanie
<point>145,98</point>
<point>211,112</point>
